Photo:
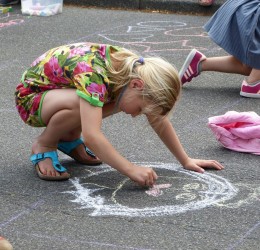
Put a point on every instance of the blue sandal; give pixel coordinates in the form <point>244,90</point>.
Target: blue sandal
<point>36,158</point>
<point>68,146</point>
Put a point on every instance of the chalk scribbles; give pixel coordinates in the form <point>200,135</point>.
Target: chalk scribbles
<point>185,191</point>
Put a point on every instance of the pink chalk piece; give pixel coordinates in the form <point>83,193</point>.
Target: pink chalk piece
<point>156,191</point>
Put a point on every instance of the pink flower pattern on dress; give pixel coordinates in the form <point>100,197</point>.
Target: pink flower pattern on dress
<point>54,72</point>
<point>100,89</point>
<point>82,67</point>
<point>23,112</point>
<point>36,103</point>
<point>102,51</point>
<point>78,51</point>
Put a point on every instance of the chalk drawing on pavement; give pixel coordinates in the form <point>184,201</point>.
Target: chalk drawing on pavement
<point>248,194</point>
<point>12,19</point>
<point>156,190</point>
<point>178,191</point>
<point>174,36</point>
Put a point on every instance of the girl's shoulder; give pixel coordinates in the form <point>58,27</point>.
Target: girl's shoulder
<point>81,49</point>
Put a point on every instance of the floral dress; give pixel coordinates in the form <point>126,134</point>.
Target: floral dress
<point>81,66</point>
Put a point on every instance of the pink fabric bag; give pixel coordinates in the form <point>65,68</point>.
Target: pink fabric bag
<point>237,131</point>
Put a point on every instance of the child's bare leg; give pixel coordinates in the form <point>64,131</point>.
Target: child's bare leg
<point>254,76</point>
<point>226,64</point>
<point>60,111</point>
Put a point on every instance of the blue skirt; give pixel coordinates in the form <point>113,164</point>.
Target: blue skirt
<point>235,27</point>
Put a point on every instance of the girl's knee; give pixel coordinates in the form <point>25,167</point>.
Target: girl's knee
<point>58,100</point>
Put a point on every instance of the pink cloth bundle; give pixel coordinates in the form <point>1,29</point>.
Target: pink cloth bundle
<point>237,131</point>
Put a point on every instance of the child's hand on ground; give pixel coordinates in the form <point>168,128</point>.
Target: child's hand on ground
<point>198,165</point>
<point>144,176</point>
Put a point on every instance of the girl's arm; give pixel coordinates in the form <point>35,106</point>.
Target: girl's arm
<point>166,132</point>
<point>91,120</point>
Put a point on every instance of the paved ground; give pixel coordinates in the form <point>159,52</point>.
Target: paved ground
<point>98,208</point>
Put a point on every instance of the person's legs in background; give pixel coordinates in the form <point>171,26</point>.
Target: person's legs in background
<point>196,62</point>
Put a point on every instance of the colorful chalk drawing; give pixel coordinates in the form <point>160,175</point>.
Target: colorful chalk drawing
<point>9,19</point>
<point>11,23</point>
<point>156,190</point>
<point>174,36</point>
<point>157,37</point>
<point>184,191</point>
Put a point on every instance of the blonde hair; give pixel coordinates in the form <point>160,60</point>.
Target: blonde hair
<point>162,84</point>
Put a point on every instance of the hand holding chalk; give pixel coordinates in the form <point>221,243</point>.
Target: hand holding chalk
<point>144,176</point>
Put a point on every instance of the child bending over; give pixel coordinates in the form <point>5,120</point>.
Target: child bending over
<point>70,89</point>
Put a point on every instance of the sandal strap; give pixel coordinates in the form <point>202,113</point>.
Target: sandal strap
<point>35,158</point>
<point>68,146</point>
<point>89,152</point>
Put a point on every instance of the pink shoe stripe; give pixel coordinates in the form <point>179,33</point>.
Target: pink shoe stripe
<point>190,69</point>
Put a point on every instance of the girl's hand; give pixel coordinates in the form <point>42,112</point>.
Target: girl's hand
<point>144,176</point>
<point>198,165</point>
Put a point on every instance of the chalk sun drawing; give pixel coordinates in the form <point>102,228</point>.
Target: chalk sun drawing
<point>199,191</point>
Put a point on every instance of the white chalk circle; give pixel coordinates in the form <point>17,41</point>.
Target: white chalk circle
<point>210,189</point>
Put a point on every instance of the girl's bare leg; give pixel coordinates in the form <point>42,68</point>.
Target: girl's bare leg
<point>60,111</point>
<point>229,64</point>
<point>226,64</point>
<point>254,76</point>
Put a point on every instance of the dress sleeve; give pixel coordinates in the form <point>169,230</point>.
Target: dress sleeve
<point>92,87</point>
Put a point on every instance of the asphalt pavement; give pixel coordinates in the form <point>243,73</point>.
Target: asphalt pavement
<point>98,208</point>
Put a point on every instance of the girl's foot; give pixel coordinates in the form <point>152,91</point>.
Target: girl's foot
<point>206,2</point>
<point>46,166</point>
<point>250,89</point>
<point>77,150</point>
<point>191,66</point>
